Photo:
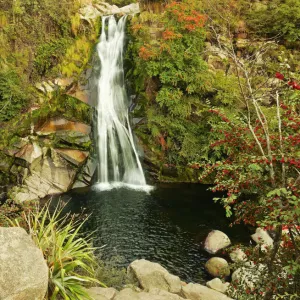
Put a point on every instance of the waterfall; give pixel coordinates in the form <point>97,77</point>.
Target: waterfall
<point>118,158</point>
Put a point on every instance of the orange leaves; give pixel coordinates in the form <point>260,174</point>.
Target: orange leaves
<point>170,35</point>
<point>136,27</point>
<point>190,18</point>
<point>146,52</point>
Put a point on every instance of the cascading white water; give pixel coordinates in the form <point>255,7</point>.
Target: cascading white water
<point>118,157</point>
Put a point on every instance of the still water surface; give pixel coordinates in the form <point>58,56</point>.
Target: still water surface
<point>167,225</point>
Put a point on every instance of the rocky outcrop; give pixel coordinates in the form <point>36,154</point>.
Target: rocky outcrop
<point>92,11</point>
<point>215,241</point>
<point>217,267</point>
<point>85,176</point>
<point>23,270</point>
<point>195,291</point>
<point>52,175</point>
<point>152,275</point>
<point>51,161</point>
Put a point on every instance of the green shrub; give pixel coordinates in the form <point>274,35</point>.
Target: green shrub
<point>13,94</point>
<point>279,19</point>
<point>69,256</point>
<point>49,54</point>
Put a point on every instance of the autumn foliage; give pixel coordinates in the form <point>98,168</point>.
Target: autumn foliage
<point>180,18</point>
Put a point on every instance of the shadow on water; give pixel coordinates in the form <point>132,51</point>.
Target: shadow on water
<point>166,226</point>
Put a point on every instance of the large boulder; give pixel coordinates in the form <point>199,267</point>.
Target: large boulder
<point>217,267</point>
<point>23,270</point>
<point>98,293</point>
<point>152,275</point>
<point>52,175</point>
<point>153,294</point>
<point>194,291</point>
<point>215,241</point>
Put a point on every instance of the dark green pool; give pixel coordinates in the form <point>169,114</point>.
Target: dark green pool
<point>167,226</point>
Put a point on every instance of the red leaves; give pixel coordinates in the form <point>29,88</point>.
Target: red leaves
<point>294,85</point>
<point>279,76</point>
<point>291,83</point>
<point>163,142</point>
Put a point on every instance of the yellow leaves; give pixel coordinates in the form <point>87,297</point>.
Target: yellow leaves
<point>77,56</point>
<point>75,23</point>
<point>3,20</point>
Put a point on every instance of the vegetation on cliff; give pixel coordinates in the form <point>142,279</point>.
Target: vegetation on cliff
<point>230,111</point>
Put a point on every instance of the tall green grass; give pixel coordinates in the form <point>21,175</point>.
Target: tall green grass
<point>70,257</point>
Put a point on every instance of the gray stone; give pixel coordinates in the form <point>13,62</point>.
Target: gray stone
<point>217,285</point>
<point>152,275</point>
<point>30,152</point>
<point>194,291</point>
<point>215,241</point>
<point>217,267</point>
<point>91,12</point>
<point>153,294</point>
<point>53,175</point>
<point>23,270</point>
<point>99,293</point>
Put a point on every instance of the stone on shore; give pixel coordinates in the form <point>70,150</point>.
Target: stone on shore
<point>153,294</point>
<point>217,285</point>
<point>194,291</point>
<point>152,275</point>
<point>215,241</point>
<point>217,267</point>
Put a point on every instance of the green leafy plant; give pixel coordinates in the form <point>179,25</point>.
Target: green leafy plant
<point>70,257</point>
<point>13,94</point>
<point>279,19</point>
<point>170,74</point>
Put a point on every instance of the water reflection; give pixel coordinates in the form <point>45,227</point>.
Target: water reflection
<point>167,225</point>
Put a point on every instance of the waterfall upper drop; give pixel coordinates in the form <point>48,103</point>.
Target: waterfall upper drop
<point>118,158</point>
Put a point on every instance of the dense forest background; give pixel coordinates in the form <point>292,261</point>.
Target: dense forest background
<point>216,89</point>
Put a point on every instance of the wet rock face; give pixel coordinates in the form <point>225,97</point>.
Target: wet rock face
<point>23,270</point>
<point>51,161</point>
<point>57,125</point>
<point>53,175</point>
